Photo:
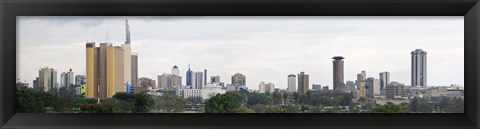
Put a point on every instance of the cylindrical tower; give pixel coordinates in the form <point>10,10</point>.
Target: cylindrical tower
<point>337,72</point>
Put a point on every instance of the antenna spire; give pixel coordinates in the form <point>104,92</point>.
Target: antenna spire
<point>127,30</point>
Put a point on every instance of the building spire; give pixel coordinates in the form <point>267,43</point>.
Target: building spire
<point>127,29</point>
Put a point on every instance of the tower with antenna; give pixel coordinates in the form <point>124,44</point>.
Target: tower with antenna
<point>127,30</point>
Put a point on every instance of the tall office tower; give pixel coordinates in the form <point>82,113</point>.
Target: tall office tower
<point>197,80</point>
<point>80,80</point>
<point>303,82</point>
<point>70,77</point>
<point>261,87</point>
<point>361,79</point>
<point>384,79</point>
<point>127,56</point>
<point>134,69</point>
<point>338,83</point>
<point>175,71</point>
<point>419,68</point>
<point>189,76</point>
<point>215,79</point>
<point>238,79</point>
<point>105,70</point>
<point>47,79</point>
<point>205,77</point>
<point>291,83</point>
<point>63,79</point>
<point>373,87</point>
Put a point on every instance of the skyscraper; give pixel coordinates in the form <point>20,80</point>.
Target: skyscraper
<point>175,71</point>
<point>69,78</point>
<point>419,68</point>
<point>303,82</point>
<point>205,77</point>
<point>189,76</point>
<point>384,79</point>
<point>47,79</point>
<point>63,79</point>
<point>134,69</point>
<point>261,87</point>
<point>292,83</point>
<point>127,56</point>
<point>197,80</point>
<point>361,79</point>
<point>164,81</point>
<point>105,70</point>
<point>373,87</point>
<point>238,79</point>
<point>338,82</point>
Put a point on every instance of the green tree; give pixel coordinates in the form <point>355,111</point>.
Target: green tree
<point>389,107</point>
<point>277,97</point>
<point>222,103</point>
<point>30,101</point>
<point>285,97</point>
<point>143,103</point>
<point>259,108</point>
<point>124,96</point>
<point>296,97</point>
<point>292,108</point>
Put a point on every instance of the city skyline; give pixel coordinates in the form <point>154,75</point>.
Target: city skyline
<point>251,57</point>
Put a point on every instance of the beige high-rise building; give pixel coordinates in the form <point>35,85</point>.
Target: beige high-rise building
<point>105,70</point>
<point>47,79</point>
<point>303,82</point>
<point>127,58</point>
<point>361,80</point>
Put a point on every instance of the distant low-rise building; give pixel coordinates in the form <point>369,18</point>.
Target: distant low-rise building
<point>316,87</point>
<point>207,92</point>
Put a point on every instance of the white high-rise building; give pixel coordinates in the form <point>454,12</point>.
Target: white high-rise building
<point>63,79</point>
<point>269,87</point>
<point>261,87</point>
<point>67,79</point>
<point>373,87</point>
<point>175,71</point>
<point>292,87</point>
<point>264,88</point>
<point>70,78</point>
<point>419,68</point>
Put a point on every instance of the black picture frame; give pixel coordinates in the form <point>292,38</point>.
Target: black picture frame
<point>9,9</point>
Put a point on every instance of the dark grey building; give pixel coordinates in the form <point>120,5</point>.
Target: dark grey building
<point>419,68</point>
<point>338,82</point>
<point>134,69</point>
<point>238,79</point>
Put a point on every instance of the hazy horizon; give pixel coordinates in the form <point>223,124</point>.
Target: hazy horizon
<point>262,48</point>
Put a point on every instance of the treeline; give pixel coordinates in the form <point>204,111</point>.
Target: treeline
<point>65,101</point>
<point>245,102</point>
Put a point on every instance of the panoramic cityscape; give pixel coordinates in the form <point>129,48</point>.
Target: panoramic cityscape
<point>111,82</point>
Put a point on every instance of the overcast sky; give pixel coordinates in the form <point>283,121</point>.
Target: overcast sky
<point>262,48</point>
